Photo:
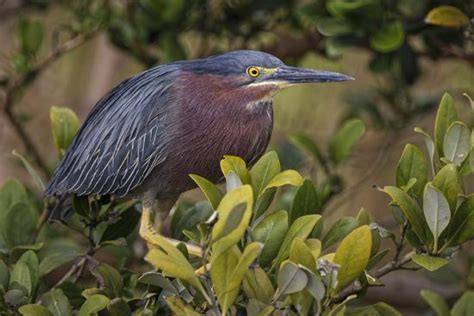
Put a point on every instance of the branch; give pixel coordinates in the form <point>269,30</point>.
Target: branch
<point>15,89</point>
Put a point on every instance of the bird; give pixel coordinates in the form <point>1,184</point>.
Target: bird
<point>146,136</point>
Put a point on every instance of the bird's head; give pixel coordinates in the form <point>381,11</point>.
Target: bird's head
<point>248,69</point>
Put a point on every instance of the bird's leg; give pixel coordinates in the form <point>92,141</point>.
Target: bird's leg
<point>150,231</point>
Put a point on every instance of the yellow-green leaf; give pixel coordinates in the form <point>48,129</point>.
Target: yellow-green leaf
<point>287,177</point>
<point>446,15</point>
<point>257,285</point>
<point>445,116</point>
<point>237,165</point>
<point>352,255</point>
<point>412,164</point>
<point>436,302</point>
<point>210,190</point>
<point>234,213</point>
<point>94,303</point>
<point>178,307</point>
<point>447,181</point>
<point>270,232</point>
<point>34,310</point>
<point>64,125</point>
<point>346,137</point>
<point>428,262</point>
<point>264,170</point>
<point>300,253</point>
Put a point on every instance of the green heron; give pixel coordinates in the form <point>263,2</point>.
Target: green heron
<point>150,132</point>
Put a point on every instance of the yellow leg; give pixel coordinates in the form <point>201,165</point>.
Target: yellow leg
<point>149,233</point>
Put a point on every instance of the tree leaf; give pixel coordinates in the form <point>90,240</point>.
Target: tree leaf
<point>436,302</point>
<point>34,310</point>
<point>412,164</point>
<point>237,165</point>
<point>29,34</point>
<point>158,280</point>
<point>301,228</point>
<point>186,218</point>
<point>456,143</point>
<point>464,305</point>
<point>346,137</point>
<point>57,302</point>
<point>178,307</point>
<point>300,253</point>
<point>461,227</point>
<point>257,285</point>
<point>446,15</point>
<point>340,8</point>
<point>340,229</point>
<point>94,303</point>
<point>389,38</point>
<point>21,215</point>
<point>352,255</point>
<point>64,125</point>
<point>436,210</point>
<point>428,262</point>
<point>4,276</point>
<point>57,253</point>
<point>411,210</point>
<point>124,226</point>
<point>32,171</point>
<point>30,259</point>
<point>291,279</point>
<point>118,307</point>
<point>287,177</point>
<point>234,214</point>
<point>210,190</point>
<point>430,146</point>
<point>306,144</point>
<point>109,279</point>
<point>270,232</point>
<point>447,181</point>
<point>172,262</point>
<point>264,170</point>
<point>305,202</point>
<point>445,116</point>
<point>228,275</point>
<point>20,278</point>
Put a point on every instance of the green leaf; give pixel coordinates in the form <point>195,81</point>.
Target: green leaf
<point>109,279</point>
<point>346,137</point>
<point>301,228</point>
<point>57,302</point>
<point>30,259</point>
<point>210,190</point>
<point>228,271</point>
<point>20,278</point>
<point>411,210</point>
<point>156,279</point>
<point>94,304</point>
<point>379,309</point>
<point>333,27</point>
<point>34,310</point>
<point>64,126</point>
<point>32,171</point>
<point>412,165</point>
<point>257,285</point>
<point>264,170</point>
<point>4,276</point>
<point>29,35</point>
<point>446,15</point>
<point>464,305</point>
<point>300,253</point>
<point>305,202</point>
<point>340,8</point>
<point>178,307</point>
<point>428,262</point>
<point>19,215</point>
<point>172,262</point>
<point>461,227</point>
<point>447,181</point>
<point>81,205</point>
<point>340,229</point>
<point>57,253</point>
<point>445,116</point>
<point>456,143</point>
<point>291,279</point>
<point>187,218</point>
<point>118,307</point>
<point>234,214</point>
<point>436,210</point>
<point>124,226</point>
<point>430,146</point>
<point>237,165</point>
<point>270,232</point>
<point>352,255</point>
<point>436,302</point>
<point>287,177</point>
<point>389,38</point>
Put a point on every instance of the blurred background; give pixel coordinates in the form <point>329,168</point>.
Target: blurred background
<point>70,53</point>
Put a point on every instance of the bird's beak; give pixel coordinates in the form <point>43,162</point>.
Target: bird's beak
<point>287,76</point>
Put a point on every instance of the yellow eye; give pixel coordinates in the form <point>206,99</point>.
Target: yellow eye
<point>253,72</point>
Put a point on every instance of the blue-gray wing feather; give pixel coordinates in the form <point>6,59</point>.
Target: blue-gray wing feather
<point>123,139</point>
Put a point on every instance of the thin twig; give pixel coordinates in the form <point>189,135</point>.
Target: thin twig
<point>15,89</point>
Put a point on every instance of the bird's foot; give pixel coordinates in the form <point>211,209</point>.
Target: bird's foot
<point>153,238</point>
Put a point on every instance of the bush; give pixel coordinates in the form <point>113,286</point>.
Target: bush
<point>264,250</point>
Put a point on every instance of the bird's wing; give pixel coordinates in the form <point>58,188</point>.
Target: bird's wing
<point>123,139</point>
